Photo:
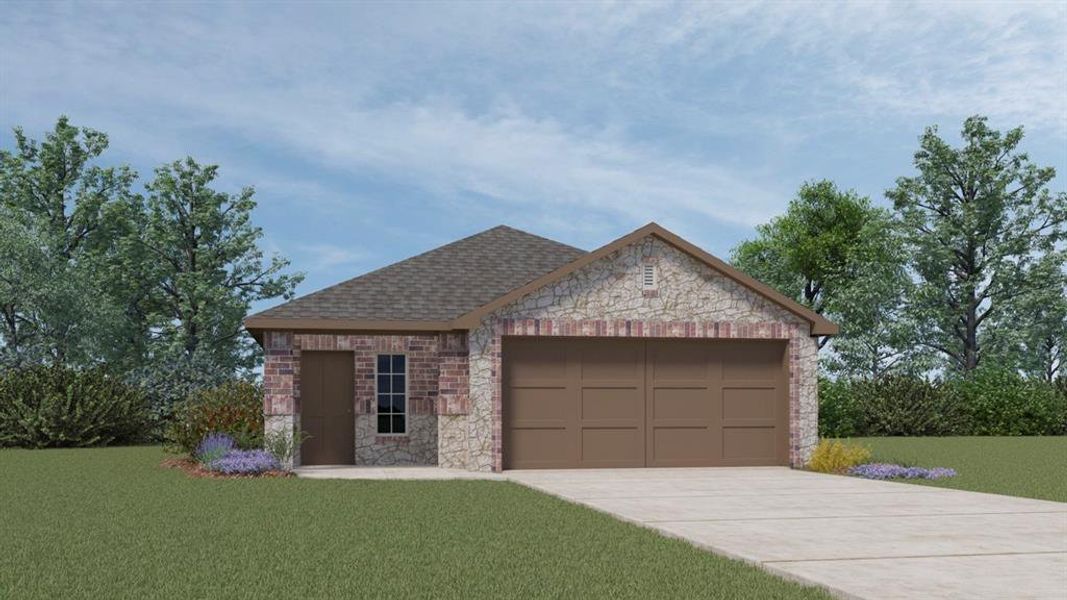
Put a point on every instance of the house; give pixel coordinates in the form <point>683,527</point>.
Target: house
<point>505,350</point>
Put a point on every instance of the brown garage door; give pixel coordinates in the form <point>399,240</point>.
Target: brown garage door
<point>326,408</point>
<point>633,403</point>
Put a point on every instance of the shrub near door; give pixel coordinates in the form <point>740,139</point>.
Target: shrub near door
<point>234,408</point>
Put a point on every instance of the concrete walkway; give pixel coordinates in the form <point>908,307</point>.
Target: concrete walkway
<point>394,473</point>
<point>859,538</point>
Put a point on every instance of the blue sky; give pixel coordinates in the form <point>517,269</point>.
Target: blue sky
<point>372,132</point>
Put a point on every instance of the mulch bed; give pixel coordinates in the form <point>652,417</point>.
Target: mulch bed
<point>195,469</point>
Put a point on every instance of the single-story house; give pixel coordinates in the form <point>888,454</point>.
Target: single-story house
<point>506,350</point>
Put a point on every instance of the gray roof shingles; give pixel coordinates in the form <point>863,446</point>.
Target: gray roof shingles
<point>438,285</point>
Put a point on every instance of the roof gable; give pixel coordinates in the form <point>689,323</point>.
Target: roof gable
<point>819,324</point>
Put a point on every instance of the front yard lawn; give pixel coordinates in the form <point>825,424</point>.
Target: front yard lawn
<point>110,523</point>
<point>1032,467</point>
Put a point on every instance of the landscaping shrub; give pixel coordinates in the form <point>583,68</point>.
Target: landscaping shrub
<point>1001,402</point>
<point>840,416</point>
<point>891,471</point>
<point>50,406</point>
<point>834,456</point>
<point>989,401</point>
<point>903,405</point>
<point>234,408</point>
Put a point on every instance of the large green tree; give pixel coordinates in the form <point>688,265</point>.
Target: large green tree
<point>836,253</point>
<point>62,216</point>
<point>208,267</point>
<point>984,233</point>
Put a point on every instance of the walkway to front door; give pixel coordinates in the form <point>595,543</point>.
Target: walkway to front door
<point>867,539</point>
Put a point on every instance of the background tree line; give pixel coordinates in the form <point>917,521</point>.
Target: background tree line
<point>149,280</point>
<point>967,270</point>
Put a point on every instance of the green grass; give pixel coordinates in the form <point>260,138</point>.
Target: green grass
<point>1032,467</point>
<point>110,523</point>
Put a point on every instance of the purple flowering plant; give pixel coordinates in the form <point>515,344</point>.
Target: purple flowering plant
<point>891,471</point>
<point>213,447</point>
<point>245,462</point>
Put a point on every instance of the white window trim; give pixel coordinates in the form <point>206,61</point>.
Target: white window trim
<point>407,394</point>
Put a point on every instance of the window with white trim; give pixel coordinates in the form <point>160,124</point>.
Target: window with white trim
<point>392,378</point>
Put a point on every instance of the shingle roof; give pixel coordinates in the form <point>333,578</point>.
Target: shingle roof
<point>438,285</point>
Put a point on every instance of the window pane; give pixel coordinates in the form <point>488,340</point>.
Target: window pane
<point>398,363</point>
<point>383,363</point>
<point>383,384</point>
<point>383,424</point>
<point>384,404</point>
<point>398,403</point>
<point>398,424</point>
<point>398,384</point>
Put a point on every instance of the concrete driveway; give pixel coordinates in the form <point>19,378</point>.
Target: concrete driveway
<point>859,538</point>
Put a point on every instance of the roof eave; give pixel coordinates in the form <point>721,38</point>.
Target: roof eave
<point>275,323</point>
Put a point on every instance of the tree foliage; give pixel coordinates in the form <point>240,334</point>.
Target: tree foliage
<point>208,268</point>
<point>153,285</point>
<point>836,253</point>
<point>983,231</point>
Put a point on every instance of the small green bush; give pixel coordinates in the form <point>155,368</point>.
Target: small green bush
<point>834,456</point>
<point>54,406</point>
<point>234,408</point>
<point>903,405</point>
<point>1001,402</point>
<point>840,416</point>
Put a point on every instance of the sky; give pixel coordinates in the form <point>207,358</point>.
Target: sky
<point>375,131</point>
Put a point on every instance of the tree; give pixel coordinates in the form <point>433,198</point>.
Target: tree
<point>839,255</point>
<point>61,215</point>
<point>1031,334</point>
<point>983,232</point>
<point>208,267</point>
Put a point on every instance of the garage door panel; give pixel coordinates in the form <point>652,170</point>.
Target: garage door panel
<point>619,360</point>
<point>751,361</point>
<point>749,403</point>
<point>613,446</point>
<point>613,403</point>
<point>672,403</point>
<point>539,363</point>
<point>530,403</point>
<point>679,360</point>
<point>540,448</point>
<point>681,446</point>
<point>749,444</point>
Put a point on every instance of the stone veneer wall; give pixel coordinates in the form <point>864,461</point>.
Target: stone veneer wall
<point>606,299</point>
<point>437,378</point>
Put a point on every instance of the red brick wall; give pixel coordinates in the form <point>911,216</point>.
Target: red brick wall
<point>437,370</point>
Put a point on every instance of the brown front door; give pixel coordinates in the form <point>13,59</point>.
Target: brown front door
<point>326,408</point>
<point>632,403</point>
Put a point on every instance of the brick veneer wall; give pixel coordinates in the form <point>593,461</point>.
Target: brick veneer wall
<point>437,384</point>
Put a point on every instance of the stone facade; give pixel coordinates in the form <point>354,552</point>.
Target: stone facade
<point>436,385</point>
<point>454,379</point>
<point>606,298</point>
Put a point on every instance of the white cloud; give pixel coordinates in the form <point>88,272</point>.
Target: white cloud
<point>539,110</point>
<point>324,257</point>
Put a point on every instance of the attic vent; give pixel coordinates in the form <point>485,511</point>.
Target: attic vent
<point>648,277</point>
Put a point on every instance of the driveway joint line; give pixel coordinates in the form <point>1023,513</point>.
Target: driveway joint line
<point>919,556</point>
<point>718,520</point>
